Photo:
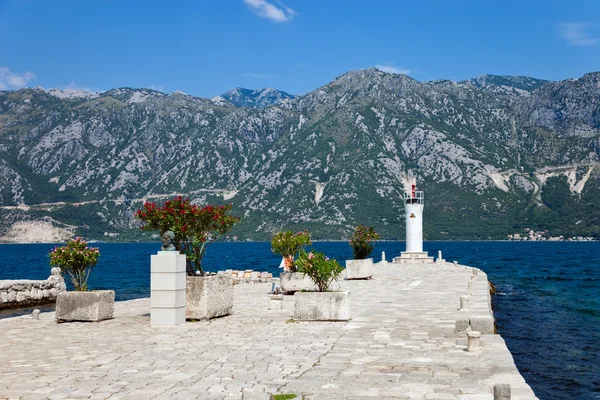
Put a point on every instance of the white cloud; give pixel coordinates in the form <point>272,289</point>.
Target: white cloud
<point>392,70</point>
<point>157,88</point>
<point>268,10</point>
<point>76,88</point>
<point>11,80</point>
<point>259,76</point>
<point>575,33</point>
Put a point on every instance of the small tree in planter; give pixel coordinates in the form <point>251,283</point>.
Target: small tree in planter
<point>195,228</point>
<point>287,244</point>
<point>77,259</point>
<point>322,305</point>
<point>362,243</point>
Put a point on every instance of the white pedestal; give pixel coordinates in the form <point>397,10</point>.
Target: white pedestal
<point>413,258</point>
<point>167,289</point>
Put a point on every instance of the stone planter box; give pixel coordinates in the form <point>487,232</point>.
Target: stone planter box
<point>91,306</point>
<point>322,306</point>
<point>208,296</point>
<point>359,269</point>
<point>291,282</point>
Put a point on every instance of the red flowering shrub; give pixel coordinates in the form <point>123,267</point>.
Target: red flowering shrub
<point>195,227</point>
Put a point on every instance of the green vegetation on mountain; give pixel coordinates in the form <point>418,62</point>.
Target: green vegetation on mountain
<point>494,155</point>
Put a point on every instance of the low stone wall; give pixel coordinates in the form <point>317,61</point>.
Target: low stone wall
<point>247,276</point>
<point>22,293</point>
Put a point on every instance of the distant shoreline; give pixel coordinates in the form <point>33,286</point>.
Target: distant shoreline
<point>337,241</point>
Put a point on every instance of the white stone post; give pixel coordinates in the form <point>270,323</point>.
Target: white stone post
<point>473,341</point>
<point>167,289</point>
<point>383,256</point>
<point>276,301</point>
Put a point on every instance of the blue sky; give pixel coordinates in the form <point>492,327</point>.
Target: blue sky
<point>207,47</point>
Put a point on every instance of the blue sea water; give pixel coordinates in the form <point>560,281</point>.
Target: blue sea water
<point>547,307</point>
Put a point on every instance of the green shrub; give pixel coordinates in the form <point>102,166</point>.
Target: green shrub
<point>321,270</point>
<point>77,260</point>
<point>363,241</point>
<point>287,244</point>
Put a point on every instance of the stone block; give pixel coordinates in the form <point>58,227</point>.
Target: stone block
<point>264,275</point>
<point>502,391</point>
<point>461,325</point>
<point>167,261</point>
<point>240,274</point>
<point>247,274</point>
<point>167,298</point>
<point>208,296</point>
<point>167,317</point>
<point>322,306</point>
<point>291,282</point>
<point>483,324</point>
<point>359,269</point>
<point>167,281</point>
<point>94,306</point>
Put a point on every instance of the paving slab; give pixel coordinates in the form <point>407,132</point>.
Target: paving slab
<point>400,344</point>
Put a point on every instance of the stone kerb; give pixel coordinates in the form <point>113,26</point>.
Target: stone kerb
<point>359,269</point>
<point>481,315</point>
<point>22,293</point>
<point>478,315</point>
<point>167,289</point>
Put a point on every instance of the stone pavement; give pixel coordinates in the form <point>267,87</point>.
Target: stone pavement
<point>400,344</point>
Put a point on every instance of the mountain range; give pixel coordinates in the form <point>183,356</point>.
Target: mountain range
<point>494,155</point>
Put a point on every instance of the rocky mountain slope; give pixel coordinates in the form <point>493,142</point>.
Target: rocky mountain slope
<point>494,154</point>
<point>258,98</point>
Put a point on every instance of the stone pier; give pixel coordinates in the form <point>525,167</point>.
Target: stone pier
<point>25,292</point>
<point>401,343</point>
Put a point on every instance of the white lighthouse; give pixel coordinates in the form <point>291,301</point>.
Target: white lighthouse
<point>413,209</point>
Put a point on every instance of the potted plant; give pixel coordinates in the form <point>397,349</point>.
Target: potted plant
<point>194,229</point>
<point>77,259</point>
<point>287,244</point>
<point>323,304</point>
<point>362,243</point>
